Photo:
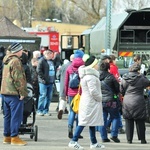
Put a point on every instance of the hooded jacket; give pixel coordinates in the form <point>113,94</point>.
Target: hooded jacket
<point>132,88</point>
<point>90,106</point>
<point>110,80</point>
<point>76,63</point>
<point>13,78</point>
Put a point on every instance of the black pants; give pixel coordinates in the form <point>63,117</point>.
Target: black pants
<point>140,127</point>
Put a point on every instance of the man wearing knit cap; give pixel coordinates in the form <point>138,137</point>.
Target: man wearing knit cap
<point>14,90</point>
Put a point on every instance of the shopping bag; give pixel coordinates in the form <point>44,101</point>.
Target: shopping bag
<point>75,103</point>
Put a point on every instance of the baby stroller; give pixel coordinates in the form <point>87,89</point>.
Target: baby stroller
<point>29,108</point>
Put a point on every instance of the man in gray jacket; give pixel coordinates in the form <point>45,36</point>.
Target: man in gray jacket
<point>62,95</point>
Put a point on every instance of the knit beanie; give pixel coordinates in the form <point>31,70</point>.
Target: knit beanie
<point>15,47</point>
<point>90,61</point>
<point>78,54</point>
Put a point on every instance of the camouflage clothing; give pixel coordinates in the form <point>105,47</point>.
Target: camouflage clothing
<point>13,78</point>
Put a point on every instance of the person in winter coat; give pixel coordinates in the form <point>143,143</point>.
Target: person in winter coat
<point>34,76</point>
<point>62,96</point>
<point>2,54</point>
<point>46,79</point>
<point>132,88</point>
<point>110,89</point>
<point>14,90</point>
<point>114,68</point>
<point>115,72</point>
<point>71,92</point>
<point>24,60</point>
<point>90,106</point>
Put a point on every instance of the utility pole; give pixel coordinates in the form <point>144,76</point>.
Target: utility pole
<point>108,27</point>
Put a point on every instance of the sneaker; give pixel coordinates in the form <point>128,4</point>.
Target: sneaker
<point>75,145</point>
<point>60,113</point>
<point>121,131</point>
<point>17,141</point>
<point>48,114</point>
<point>40,114</point>
<point>97,145</point>
<point>7,140</point>
<point>115,139</point>
<point>106,140</point>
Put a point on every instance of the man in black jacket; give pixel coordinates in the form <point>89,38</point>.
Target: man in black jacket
<point>46,78</point>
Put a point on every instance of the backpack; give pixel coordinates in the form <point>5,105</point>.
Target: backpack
<point>74,80</point>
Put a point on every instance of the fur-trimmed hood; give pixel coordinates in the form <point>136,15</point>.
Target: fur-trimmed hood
<point>83,70</point>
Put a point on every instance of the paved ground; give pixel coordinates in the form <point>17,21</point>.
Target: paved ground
<point>52,135</point>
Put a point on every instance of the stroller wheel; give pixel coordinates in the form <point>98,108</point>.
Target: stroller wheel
<point>36,133</point>
<point>31,136</point>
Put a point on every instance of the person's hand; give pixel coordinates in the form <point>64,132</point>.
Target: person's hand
<point>43,81</point>
<point>21,97</point>
<point>66,98</point>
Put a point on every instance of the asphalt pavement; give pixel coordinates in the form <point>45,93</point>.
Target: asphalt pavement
<point>52,135</point>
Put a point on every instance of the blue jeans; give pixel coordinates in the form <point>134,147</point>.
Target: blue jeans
<point>13,115</point>
<point>120,121</point>
<point>114,115</point>
<point>45,97</point>
<point>72,115</point>
<point>79,130</point>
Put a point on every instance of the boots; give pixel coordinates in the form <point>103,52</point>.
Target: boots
<point>70,132</point>
<point>60,113</point>
<point>17,141</point>
<point>7,140</point>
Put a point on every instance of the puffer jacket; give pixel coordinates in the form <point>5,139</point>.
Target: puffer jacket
<point>13,79</point>
<point>110,80</point>
<point>132,87</point>
<point>90,106</point>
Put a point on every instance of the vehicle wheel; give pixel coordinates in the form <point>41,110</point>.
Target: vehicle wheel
<point>36,133</point>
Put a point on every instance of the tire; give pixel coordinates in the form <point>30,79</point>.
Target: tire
<point>31,136</point>
<point>35,133</point>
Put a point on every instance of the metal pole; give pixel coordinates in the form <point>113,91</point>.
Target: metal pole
<point>108,27</point>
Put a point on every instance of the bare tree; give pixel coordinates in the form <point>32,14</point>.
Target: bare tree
<point>120,6</point>
<point>25,11</point>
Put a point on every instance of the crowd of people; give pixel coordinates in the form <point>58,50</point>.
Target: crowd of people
<point>18,68</point>
<point>105,95</point>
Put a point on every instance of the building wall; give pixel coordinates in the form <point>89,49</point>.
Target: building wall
<point>62,28</point>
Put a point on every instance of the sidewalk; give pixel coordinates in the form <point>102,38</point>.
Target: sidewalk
<point>52,135</point>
